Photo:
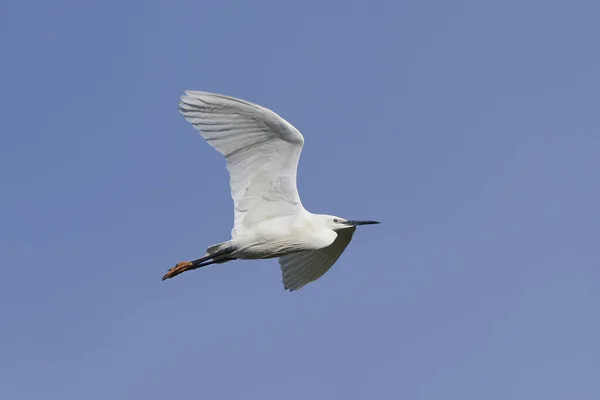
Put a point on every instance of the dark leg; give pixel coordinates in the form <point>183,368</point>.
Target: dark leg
<point>219,257</point>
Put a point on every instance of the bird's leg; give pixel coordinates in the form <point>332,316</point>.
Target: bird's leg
<point>208,259</point>
<point>187,266</point>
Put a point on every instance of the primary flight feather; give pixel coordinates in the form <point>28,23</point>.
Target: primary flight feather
<point>262,152</point>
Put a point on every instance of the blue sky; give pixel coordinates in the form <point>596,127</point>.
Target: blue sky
<point>470,129</point>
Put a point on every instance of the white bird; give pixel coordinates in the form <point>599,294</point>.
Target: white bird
<point>262,152</point>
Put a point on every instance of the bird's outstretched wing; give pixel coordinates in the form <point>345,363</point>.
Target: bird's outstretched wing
<point>262,152</point>
<point>301,268</point>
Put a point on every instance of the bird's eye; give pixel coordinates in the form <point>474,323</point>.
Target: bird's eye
<point>335,220</point>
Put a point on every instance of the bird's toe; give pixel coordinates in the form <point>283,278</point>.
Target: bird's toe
<point>177,269</point>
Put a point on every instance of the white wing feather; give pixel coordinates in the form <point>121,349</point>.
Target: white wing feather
<point>301,268</point>
<point>262,152</point>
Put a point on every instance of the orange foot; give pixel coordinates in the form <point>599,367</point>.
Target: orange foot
<point>178,269</point>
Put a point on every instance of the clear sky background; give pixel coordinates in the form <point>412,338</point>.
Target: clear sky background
<point>471,129</point>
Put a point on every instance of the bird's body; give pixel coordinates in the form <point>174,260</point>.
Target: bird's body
<point>262,152</point>
<point>282,235</point>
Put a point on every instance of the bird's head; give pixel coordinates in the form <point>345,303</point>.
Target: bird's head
<point>338,223</point>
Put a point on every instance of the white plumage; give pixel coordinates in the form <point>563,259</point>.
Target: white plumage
<point>262,152</point>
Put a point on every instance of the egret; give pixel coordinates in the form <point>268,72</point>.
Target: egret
<point>262,152</point>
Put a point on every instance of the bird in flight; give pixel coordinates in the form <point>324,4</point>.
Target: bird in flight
<point>262,152</point>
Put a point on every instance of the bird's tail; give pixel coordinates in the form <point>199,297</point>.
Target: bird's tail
<point>220,251</point>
